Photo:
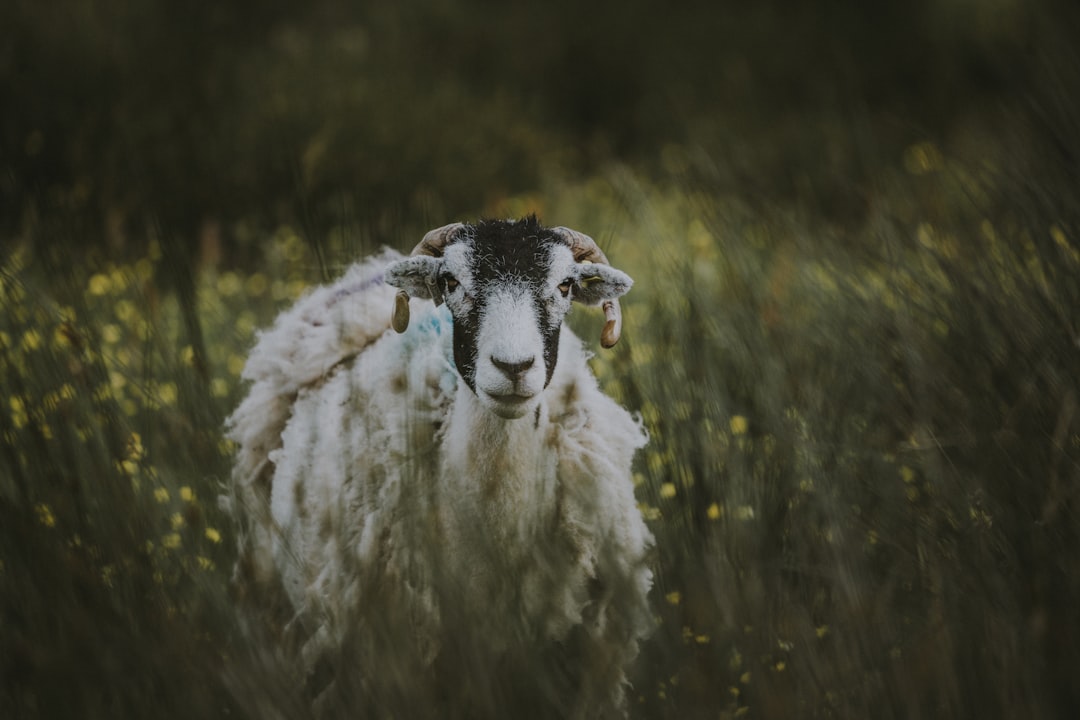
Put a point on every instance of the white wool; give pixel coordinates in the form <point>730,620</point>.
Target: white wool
<point>396,511</point>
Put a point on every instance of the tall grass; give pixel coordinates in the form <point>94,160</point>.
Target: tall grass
<point>862,472</point>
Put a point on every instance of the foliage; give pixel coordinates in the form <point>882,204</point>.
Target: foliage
<point>860,473</point>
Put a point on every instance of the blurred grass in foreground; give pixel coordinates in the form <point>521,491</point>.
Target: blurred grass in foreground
<point>862,476</point>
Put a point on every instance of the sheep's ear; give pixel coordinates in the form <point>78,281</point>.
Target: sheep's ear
<point>596,283</point>
<point>415,275</point>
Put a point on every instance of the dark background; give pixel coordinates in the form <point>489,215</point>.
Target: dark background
<point>117,111</point>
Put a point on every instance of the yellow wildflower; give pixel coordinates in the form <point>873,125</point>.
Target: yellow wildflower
<point>31,340</point>
<point>235,364</point>
<point>99,284</point>
<point>219,388</point>
<point>45,515</point>
<point>110,333</point>
<point>167,393</point>
<point>125,311</point>
<point>256,284</point>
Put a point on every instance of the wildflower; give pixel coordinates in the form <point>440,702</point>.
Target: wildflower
<point>649,512</point>
<point>236,364</point>
<point>245,323</point>
<point>212,535</point>
<point>922,158</point>
<point>228,284</point>
<point>171,541</point>
<point>19,416</point>
<point>187,355</point>
<point>45,515</point>
<point>125,310</point>
<point>187,494</point>
<point>161,495</point>
<point>99,284</point>
<point>31,340</point>
<point>219,387</point>
<point>667,490</point>
<point>177,521</point>
<point>256,285</point>
<point>714,512</point>
<point>110,333</point>
<point>674,597</point>
<point>739,425</point>
<point>134,447</point>
<point>167,393</point>
<point>745,512</point>
<point>144,269</point>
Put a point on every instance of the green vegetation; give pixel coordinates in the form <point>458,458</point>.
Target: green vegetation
<point>853,335</point>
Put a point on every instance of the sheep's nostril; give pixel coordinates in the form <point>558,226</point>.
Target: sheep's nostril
<point>513,369</point>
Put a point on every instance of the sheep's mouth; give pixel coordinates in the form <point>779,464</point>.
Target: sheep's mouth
<point>510,398</point>
<point>510,405</point>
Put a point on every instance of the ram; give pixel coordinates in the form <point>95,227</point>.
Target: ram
<point>446,512</point>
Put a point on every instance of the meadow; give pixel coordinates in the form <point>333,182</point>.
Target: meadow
<point>854,341</point>
<point>861,472</point>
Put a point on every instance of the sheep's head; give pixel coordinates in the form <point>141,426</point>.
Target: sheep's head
<point>508,285</point>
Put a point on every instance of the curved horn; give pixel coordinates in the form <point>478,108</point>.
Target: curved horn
<point>432,244</point>
<point>435,240</point>
<point>586,250</point>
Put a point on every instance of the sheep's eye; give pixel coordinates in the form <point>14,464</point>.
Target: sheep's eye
<point>564,287</point>
<point>451,283</point>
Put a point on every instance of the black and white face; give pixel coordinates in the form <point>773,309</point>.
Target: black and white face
<point>508,285</point>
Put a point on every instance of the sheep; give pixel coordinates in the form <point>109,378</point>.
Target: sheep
<point>444,513</point>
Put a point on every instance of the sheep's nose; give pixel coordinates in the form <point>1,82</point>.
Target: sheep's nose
<point>513,369</point>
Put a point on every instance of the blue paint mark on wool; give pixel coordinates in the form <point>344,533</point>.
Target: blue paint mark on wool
<point>434,326</point>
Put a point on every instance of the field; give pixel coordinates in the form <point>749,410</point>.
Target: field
<point>854,341</point>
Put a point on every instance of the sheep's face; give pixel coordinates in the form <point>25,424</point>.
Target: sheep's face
<point>508,285</point>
